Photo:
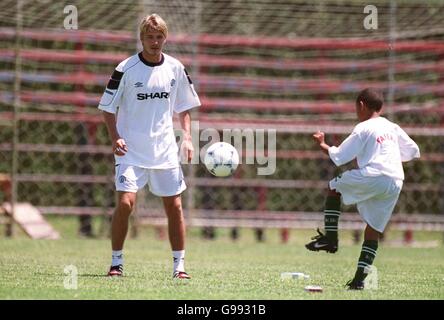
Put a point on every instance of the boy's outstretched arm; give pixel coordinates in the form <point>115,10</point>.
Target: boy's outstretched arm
<point>320,138</point>
<point>346,152</point>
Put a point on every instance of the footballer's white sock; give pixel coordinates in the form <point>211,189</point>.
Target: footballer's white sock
<point>117,258</point>
<point>179,260</point>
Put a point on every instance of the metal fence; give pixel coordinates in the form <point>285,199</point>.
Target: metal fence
<point>289,66</point>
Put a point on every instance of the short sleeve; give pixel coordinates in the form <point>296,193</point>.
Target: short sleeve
<point>408,148</point>
<point>111,98</point>
<point>186,97</point>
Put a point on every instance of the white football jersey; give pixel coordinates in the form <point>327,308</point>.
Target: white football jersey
<point>143,96</point>
<point>379,145</point>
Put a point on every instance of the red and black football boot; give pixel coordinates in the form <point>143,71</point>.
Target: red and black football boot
<point>116,271</point>
<point>181,275</point>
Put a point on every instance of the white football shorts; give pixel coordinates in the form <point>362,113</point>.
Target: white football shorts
<point>162,182</point>
<point>375,197</point>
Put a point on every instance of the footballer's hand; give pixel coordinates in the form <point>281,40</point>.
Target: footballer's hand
<point>319,137</point>
<point>119,147</point>
<point>187,150</point>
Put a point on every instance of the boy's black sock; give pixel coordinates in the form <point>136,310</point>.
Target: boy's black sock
<point>331,217</point>
<point>368,253</point>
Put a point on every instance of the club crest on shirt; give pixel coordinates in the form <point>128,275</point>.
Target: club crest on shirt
<point>173,82</point>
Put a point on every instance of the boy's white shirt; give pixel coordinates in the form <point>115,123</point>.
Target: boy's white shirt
<point>144,103</point>
<point>379,145</point>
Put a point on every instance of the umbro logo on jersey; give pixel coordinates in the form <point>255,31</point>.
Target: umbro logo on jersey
<point>138,84</point>
<point>153,95</point>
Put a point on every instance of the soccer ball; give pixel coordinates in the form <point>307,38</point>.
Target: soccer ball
<point>221,159</point>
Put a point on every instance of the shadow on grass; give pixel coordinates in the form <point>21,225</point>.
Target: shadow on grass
<point>91,275</point>
<point>83,275</point>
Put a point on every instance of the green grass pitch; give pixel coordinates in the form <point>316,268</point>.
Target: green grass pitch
<point>221,268</point>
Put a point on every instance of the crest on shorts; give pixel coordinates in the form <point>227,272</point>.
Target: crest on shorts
<point>122,179</point>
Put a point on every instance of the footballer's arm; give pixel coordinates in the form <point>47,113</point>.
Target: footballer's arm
<point>118,143</point>
<point>187,145</point>
<point>320,138</point>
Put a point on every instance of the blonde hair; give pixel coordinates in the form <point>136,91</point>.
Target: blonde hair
<point>153,22</point>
